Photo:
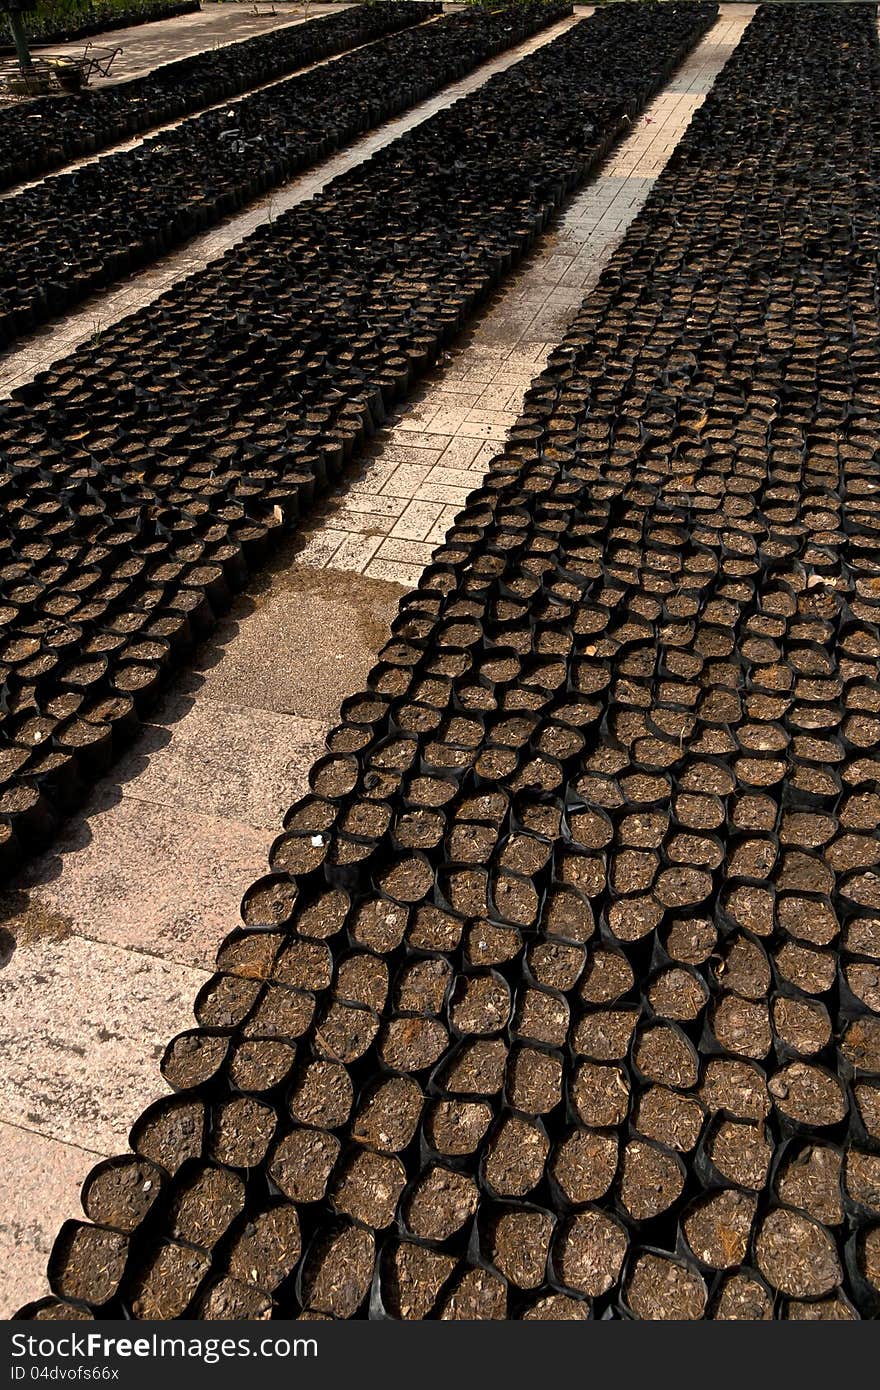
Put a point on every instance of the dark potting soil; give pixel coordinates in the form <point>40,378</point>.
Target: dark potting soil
<point>557,1307</point>
<point>415,1275</point>
<point>718,1228</point>
<point>266,1248</point>
<point>741,1152</point>
<point>862,1179</point>
<point>669,1118</point>
<point>338,1270</point>
<point>301,1164</point>
<point>534,1080</point>
<point>660,1288</point>
<point>679,995</point>
<point>651,1179</point>
<point>520,1245</point>
<point>584,1165</point>
<point>869,1257</point>
<point>205,1207</point>
<point>810,1180</point>
<point>456,1127</point>
<point>228,1299</point>
<point>834,1309</point>
<point>169,1134</point>
<point>796,1255</point>
<point>589,1252</point>
<point>165,1287</point>
<point>515,1157</point>
<point>368,1188</point>
<point>440,1203</point>
<point>808,1094</point>
<point>388,1115</point>
<point>120,1193</point>
<point>261,1064</point>
<point>743,1298</point>
<point>672,498</point>
<point>478,1294</point>
<point>87,1263</point>
<point>322,1095</point>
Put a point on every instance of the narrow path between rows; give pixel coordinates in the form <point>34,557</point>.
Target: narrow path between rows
<point>112,933</point>
<point>148,46</point>
<point>36,352</point>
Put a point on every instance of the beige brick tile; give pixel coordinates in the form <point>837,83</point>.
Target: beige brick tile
<point>370,504</point>
<point>418,419</point>
<point>417,521</point>
<point>394,571</point>
<point>406,480</point>
<point>456,398</point>
<point>481,417</point>
<point>414,440</point>
<point>355,552</point>
<point>376,471</point>
<point>451,477</point>
<point>446,420</point>
<point>361,523</point>
<point>398,451</point>
<point>437,533</point>
<point>461,451</point>
<point>320,546</point>
<point>449,496</point>
<point>489,431</point>
<point>494,397</point>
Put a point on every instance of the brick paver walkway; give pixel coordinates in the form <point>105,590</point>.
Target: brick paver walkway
<point>387,524</point>
<point>114,927</point>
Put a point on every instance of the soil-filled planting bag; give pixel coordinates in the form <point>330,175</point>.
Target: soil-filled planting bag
<point>46,133</point>
<point>77,232</point>
<point>561,1000</point>
<point>146,474</point>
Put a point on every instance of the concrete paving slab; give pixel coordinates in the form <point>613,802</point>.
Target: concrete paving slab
<point>309,641</point>
<point>160,880</point>
<point>40,1182</point>
<point>220,760</point>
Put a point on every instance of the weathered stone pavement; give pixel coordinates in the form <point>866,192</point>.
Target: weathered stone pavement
<point>119,906</point>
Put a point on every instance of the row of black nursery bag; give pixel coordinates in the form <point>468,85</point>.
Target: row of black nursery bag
<point>83,19</point>
<point>143,476</point>
<point>77,232</point>
<point>44,134</point>
<point>561,999</point>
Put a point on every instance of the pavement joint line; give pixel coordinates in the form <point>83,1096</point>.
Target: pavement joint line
<point>28,1129</point>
